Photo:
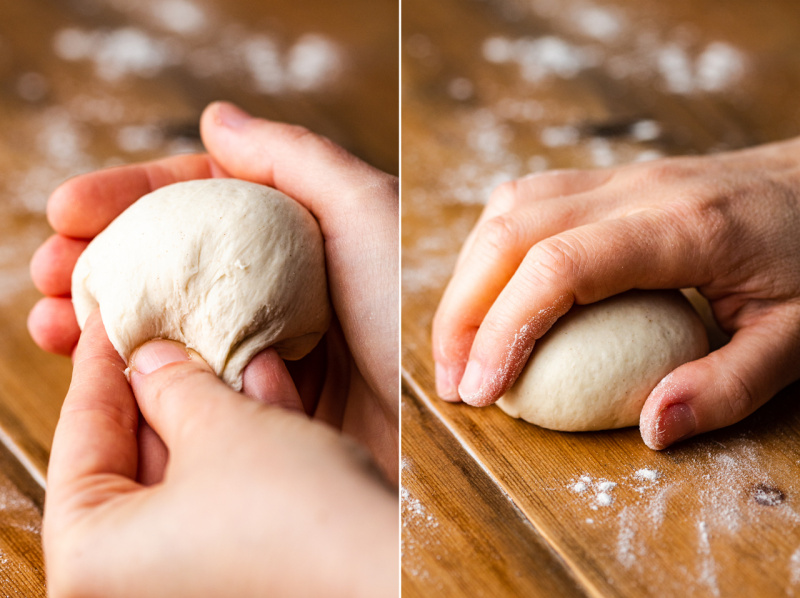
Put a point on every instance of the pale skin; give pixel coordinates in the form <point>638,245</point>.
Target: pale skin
<point>177,485</point>
<point>727,224</point>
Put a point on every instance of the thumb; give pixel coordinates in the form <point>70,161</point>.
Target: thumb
<point>176,389</point>
<point>724,387</point>
<point>326,179</point>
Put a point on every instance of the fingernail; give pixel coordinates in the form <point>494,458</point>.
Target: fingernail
<point>156,354</point>
<point>231,116</point>
<point>472,380</point>
<point>674,423</point>
<point>446,382</point>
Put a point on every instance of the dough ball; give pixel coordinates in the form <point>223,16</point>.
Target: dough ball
<point>224,266</point>
<point>596,367</point>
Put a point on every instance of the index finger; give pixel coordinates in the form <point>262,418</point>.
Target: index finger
<point>84,205</point>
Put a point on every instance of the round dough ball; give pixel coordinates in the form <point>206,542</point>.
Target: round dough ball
<point>596,367</point>
<point>224,266</point>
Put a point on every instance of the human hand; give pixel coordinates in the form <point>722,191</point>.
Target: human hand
<point>257,498</point>
<point>357,209</point>
<point>726,224</point>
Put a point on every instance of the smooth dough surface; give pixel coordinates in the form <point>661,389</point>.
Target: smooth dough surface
<point>596,367</point>
<point>226,267</point>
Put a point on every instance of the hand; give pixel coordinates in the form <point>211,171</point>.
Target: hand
<point>357,209</point>
<point>726,224</point>
<point>257,499</point>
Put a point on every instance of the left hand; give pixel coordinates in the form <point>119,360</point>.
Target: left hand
<point>257,498</point>
<point>351,379</point>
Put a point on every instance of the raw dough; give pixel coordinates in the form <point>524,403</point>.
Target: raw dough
<point>224,266</point>
<point>594,369</point>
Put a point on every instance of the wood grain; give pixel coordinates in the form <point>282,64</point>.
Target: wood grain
<point>460,534</point>
<point>719,516</point>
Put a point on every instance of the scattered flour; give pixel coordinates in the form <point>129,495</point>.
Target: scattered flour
<point>179,16</point>
<point>625,536</point>
<point>645,130</point>
<point>602,490</point>
<point>312,62</point>
<point>733,488</point>
<point>461,89</point>
<point>139,138</point>
<point>32,87</point>
<point>540,58</point>
<point>707,575</point>
<point>715,69</point>
<point>559,136</point>
<point>794,568</point>
<point>601,23</point>
<point>307,65</point>
<point>412,550</point>
<point>719,66</point>
<point>649,475</point>
<point>116,53</point>
<point>604,499</point>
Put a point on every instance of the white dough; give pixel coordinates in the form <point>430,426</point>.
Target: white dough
<point>596,367</point>
<point>224,266</point>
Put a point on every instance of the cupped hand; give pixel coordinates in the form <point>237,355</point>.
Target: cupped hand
<point>726,224</point>
<point>257,498</point>
<point>357,209</point>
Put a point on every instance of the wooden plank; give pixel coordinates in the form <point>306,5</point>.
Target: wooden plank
<point>21,559</point>
<point>719,516</point>
<point>460,535</point>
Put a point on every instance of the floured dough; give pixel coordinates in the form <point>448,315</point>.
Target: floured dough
<point>597,365</point>
<point>224,266</point>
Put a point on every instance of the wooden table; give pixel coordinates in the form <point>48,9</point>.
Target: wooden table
<point>92,83</point>
<point>492,506</point>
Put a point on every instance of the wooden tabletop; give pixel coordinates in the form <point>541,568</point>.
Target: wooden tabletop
<point>492,506</point>
<point>93,83</point>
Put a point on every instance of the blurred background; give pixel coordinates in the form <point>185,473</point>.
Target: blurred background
<point>86,84</point>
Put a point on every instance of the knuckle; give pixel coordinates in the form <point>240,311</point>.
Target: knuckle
<point>496,236</point>
<point>299,133</point>
<point>556,260</point>
<point>740,398</point>
<point>504,198</point>
<point>668,171</point>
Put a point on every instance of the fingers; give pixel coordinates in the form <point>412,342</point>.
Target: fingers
<point>52,325</point>
<point>357,210</point>
<point>725,386</point>
<point>329,181</point>
<point>181,397</point>
<point>53,263</point>
<point>96,435</point>
<point>267,380</point>
<point>486,266</point>
<point>582,265</point>
<point>531,190</point>
<point>153,455</point>
<point>83,206</point>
